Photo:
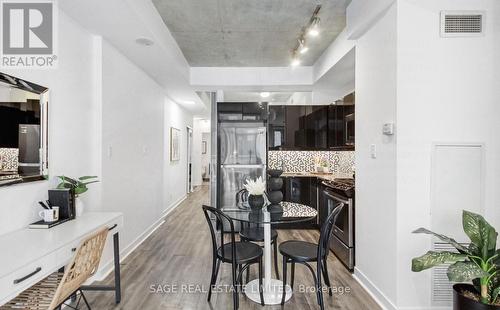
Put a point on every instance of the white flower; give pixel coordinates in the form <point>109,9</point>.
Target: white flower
<point>256,188</point>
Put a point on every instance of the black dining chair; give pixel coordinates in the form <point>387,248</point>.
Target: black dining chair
<point>239,254</point>
<point>302,252</point>
<point>255,233</point>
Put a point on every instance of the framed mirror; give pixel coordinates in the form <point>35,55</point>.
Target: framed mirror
<point>23,131</point>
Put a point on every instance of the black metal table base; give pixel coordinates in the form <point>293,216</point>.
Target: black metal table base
<point>117,287</point>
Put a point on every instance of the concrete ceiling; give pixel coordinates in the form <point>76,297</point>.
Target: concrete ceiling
<point>248,33</point>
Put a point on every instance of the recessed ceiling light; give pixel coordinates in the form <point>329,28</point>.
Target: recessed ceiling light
<point>265,94</point>
<point>188,102</point>
<point>144,41</point>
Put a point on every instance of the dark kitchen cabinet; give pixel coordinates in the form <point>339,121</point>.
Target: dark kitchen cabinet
<point>295,127</point>
<point>335,125</point>
<point>298,190</point>
<point>317,127</point>
<point>341,126</point>
<point>242,111</point>
<point>301,190</point>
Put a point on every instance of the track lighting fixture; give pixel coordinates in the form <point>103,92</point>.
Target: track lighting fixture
<point>311,29</point>
<point>302,46</point>
<point>314,27</point>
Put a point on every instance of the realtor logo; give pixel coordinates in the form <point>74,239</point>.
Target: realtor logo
<point>28,34</point>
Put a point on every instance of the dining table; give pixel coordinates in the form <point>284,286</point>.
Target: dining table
<point>284,212</point>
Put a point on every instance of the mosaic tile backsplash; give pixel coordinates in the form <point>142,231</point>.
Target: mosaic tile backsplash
<point>9,159</point>
<point>303,161</point>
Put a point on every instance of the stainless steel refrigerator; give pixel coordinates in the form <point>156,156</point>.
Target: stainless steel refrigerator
<point>242,156</point>
<point>29,149</point>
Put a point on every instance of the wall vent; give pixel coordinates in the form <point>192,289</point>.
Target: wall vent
<point>462,23</point>
<point>442,291</point>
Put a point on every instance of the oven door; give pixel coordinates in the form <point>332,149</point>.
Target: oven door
<point>343,227</point>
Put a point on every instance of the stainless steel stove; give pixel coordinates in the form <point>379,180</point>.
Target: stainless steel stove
<point>335,193</point>
<point>344,187</point>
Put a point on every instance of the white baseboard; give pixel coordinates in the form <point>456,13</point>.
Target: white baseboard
<point>108,267</point>
<point>374,292</point>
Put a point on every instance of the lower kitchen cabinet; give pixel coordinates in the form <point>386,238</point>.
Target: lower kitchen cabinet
<point>301,190</point>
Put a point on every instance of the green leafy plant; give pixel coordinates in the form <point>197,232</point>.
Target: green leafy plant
<point>79,186</point>
<point>478,262</point>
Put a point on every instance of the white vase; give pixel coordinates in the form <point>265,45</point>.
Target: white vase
<point>79,206</point>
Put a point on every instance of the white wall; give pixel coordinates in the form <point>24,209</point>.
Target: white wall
<point>132,144</point>
<point>446,93</point>
<point>376,178</point>
<point>72,115</point>
<point>200,127</point>
<point>175,172</point>
<point>435,90</point>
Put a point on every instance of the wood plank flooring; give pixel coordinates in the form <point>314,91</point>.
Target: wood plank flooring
<point>178,254</point>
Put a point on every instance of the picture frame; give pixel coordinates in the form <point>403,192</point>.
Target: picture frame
<point>203,147</point>
<point>175,144</point>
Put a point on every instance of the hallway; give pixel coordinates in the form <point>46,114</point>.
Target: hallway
<point>171,270</point>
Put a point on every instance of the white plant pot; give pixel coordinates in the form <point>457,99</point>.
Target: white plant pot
<point>79,206</point>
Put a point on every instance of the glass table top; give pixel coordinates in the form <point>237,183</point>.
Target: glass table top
<point>285,212</point>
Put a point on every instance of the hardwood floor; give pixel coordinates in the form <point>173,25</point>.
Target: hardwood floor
<point>178,254</point>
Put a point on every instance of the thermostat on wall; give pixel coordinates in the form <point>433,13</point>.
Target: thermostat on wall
<point>388,129</point>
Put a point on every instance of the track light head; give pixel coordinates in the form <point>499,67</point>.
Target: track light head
<point>302,46</point>
<point>314,28</point>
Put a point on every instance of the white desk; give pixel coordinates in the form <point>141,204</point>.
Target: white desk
<point>29,255</point>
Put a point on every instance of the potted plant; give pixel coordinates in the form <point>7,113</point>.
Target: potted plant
<point>78,186</point>
<point>256,189</point>
<point>478,262</point>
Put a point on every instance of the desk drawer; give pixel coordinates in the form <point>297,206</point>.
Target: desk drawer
<point>23,278</point>
<point>66,253</point>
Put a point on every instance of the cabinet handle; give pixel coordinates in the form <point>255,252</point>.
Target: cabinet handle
<point>37,270</point>
<point>112,227</point>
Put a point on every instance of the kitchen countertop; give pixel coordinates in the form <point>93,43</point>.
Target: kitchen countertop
<point>322,176</point>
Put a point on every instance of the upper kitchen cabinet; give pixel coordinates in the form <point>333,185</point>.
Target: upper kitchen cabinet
<point>341,126</point>
<point>295,127</point>
<point>317,127</point>
<point>308,127</point>
<point>242,111</point>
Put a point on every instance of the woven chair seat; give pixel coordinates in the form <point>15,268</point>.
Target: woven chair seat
<point>37,297</point>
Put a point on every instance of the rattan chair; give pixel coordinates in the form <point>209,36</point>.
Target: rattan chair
<point>53,291</point>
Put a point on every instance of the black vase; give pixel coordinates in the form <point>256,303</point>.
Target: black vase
<point>256,201</point>
<point>275,184</point>
<point>460,302</point>
<point>275,197</point>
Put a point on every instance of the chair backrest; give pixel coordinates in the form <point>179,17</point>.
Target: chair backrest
<point>83,265</point>
<point>326,232</point>
<point>221,217</point>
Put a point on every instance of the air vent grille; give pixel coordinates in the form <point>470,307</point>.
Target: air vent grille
<point>442,291</point>
<point>461,24</point>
